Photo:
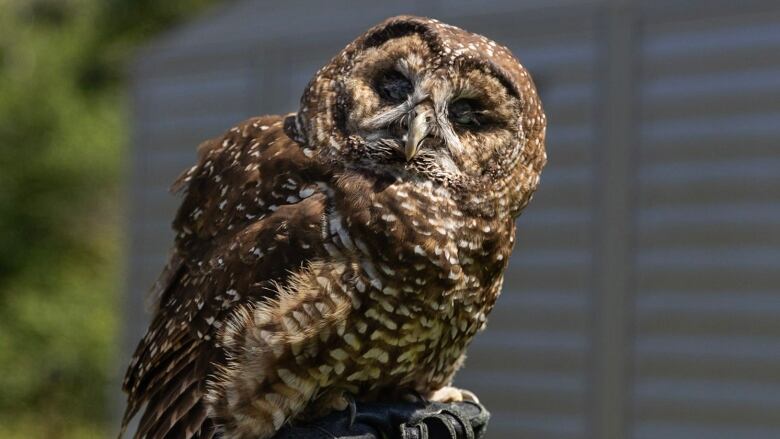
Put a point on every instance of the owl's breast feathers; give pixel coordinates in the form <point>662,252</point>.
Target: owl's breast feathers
<point>292,280</point>
<point>431,273</point>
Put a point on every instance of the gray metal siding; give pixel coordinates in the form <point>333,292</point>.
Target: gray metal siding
<point>707,347</point>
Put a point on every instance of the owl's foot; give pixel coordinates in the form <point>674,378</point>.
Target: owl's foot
<point>326,404</point>
<point>340,402</point>
<point>453,394</point>
<point>350,401</point>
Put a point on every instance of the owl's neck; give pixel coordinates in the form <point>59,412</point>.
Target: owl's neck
<point>423,229</point>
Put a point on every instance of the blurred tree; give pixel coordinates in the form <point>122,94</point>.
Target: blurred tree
<point>62,127</point>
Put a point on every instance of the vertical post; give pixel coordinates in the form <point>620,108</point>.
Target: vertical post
<point>614,231</point>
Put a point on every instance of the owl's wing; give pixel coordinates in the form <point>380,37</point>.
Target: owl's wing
<point>252,214</point>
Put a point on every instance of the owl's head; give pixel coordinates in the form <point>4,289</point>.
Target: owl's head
<point>414,98</point>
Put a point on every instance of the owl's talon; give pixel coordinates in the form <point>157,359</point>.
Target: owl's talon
<point>468,395</point>
<point>352,410</point>
<point>453,394</point>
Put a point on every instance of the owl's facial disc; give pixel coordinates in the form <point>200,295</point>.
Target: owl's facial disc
<point>484,126</point>
<point>410,113</point>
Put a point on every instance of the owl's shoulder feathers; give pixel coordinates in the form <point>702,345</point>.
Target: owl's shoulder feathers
<point>252,209</point>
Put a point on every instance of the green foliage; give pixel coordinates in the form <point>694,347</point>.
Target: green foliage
<point>62,128</point>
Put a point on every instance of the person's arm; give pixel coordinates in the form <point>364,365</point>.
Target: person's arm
<point>462,420</point>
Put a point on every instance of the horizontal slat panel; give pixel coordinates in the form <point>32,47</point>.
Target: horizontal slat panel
<point>715,280</point>
<point>654,429</point>
<point>692,367</point>
<point>511,424</point>
<point>733,236</point>
<point>711,45</point>
<point>702,393</point>
<point>553,259</point>
<point>723,147</point>
<point>559,359</point>
<point>719,36</point>
<point>568,103</point>
<point>752,403</point>
<point>540,310</point>
<point>733,129</point>
<point>726,214</point>
<point>170,157</point>
<point>526,392</point>
<point>695,321</point>
<point>174,98</point>
<point>540,236</point>
<point>737,260</point>
<point>465,7</point>
<point>716,95</point>
<point>191,130</point>
<point>556,55</point>
<point>753,187</point>
<point>562,277</point>
<point>756,171</point>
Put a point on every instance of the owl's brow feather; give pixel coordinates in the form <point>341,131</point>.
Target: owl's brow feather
<point>386,118</point>
<point>496,70</point>
<point>448,133</point>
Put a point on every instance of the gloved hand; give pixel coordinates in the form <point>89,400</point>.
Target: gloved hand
<point>432,420</point>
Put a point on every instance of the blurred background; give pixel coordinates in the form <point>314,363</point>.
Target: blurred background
<point>643,300</point>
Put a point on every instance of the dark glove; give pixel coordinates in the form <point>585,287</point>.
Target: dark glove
<point>462,420</point>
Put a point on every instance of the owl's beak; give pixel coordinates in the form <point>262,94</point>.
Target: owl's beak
<point>418,130</point>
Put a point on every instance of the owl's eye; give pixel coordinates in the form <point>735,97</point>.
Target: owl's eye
<point>393,87</point>
<point>466,112</point>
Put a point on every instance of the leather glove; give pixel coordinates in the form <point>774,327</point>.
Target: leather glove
<point>432,420</point>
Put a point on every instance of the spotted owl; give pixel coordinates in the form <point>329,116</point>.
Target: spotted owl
<point>349,250</point>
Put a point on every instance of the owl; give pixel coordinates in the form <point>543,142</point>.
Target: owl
<point>351,250</point>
